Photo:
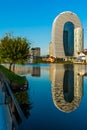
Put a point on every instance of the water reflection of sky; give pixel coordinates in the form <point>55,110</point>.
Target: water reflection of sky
<point>44,114</point>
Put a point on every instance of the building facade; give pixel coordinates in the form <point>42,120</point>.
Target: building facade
<point>35,52</point>
<point>67,35</point>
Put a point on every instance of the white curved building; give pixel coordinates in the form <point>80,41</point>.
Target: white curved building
<point>67,35</point>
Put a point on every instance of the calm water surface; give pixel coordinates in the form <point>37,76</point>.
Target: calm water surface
<point>58,96</point>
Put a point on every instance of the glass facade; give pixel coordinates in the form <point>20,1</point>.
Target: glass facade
<point>68,39</point>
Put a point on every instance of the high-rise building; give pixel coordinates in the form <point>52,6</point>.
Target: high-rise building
<point>67,35</point>
<point>35,52</point>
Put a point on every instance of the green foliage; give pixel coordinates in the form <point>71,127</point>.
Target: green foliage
<point>37,60</point>
<point>12,76</point>
<point>22,97</point>
<point>14,50</point>
<point>59,60</point>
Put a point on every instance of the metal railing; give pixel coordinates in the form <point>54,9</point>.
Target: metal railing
<point>19,121</point>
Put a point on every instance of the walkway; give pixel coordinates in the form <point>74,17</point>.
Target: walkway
<point>5,119</point>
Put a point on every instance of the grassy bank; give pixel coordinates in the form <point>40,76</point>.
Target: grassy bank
<point>12,77</point>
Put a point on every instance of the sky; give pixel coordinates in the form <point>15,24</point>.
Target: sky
<point>33,19</point>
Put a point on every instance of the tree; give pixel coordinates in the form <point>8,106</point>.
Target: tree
<point>14,50</point>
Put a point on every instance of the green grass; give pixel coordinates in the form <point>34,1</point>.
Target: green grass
<point>12,77</point>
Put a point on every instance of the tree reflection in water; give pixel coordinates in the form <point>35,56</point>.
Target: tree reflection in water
<point>24,102</point>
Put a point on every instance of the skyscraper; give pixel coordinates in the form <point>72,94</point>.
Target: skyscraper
<point>67,35</point>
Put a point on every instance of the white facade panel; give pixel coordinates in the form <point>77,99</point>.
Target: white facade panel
<point>78,41</point>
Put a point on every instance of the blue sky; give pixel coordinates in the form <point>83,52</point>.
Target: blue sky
<point>33,18</point>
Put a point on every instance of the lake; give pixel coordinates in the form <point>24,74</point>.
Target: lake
<point>58,96</point>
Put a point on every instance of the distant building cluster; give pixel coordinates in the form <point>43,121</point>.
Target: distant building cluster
<point>67,40</point>
<point>48,59</point>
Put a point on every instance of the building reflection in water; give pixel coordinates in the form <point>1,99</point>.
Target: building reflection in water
<point>20,69</point>
<point>25,69</point>
<point>68,83</point>
<point>67,86</point>
<point>36,71</point>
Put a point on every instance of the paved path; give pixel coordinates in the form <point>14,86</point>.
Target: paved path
<point>5,119</point>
